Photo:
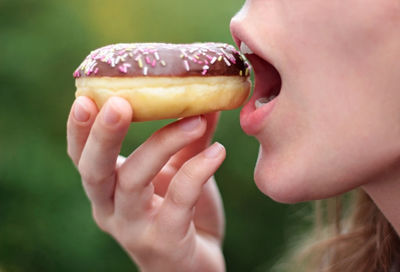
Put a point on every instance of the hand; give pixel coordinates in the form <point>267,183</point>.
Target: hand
<point>161,203</point>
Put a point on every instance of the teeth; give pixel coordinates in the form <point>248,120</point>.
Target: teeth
<point>245,49</point>
<point>263,100</point>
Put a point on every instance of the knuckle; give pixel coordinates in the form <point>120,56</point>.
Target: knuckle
<point>190,181</point>
<point>100,220</point>
<point>86,176</point>
<point>103,136</point>
<point>90,177</point>
<point>128,184</point>
<point>70,152</point>
<point>189,171</point>
<point>178,196</point>
<point>73,156</point>
<point>128,187</point>
<point>160,138</point>
<point>94,177</point>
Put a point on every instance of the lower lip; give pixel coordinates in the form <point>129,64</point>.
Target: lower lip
<point>252,119</point>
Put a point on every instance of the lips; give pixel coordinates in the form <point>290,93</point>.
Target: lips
<point>265,95</point>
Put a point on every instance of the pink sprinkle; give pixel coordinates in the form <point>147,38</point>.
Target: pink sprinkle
<point>205,61</point>
<point>148,60</point>
<point>96,70</point>
<point>77,74</point>
<point>153,63</point>
<point>200,62</point>
<point>205,68</point>
<point>123,69</point>
<point>209,57</point>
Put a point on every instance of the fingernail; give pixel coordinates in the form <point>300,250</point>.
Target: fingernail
<point>80,113</point>
<point>111,115</point>
<point>190,124</point>
<point>213,150</point>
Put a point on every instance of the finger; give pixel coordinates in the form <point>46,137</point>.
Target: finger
<point>80,121</point>
<point>162,180</point>
<point>132,192</point>
<point>98,161</point>
<point>199,145</point>
<point>185,189</point>
<point>209,213</point>
<point>148,159</point>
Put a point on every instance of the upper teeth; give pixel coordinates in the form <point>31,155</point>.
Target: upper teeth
<point>245,49</point>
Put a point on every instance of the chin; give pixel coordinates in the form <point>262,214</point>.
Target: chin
<point>282,183</point>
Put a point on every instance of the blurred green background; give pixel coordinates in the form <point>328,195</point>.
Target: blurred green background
<point>45,218</point>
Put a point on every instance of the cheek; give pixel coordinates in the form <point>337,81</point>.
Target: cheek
<point>336,29</point>
<point>327,137</point>
<point>329,154</point>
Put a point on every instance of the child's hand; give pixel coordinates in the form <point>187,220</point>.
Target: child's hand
<point>156,203</point>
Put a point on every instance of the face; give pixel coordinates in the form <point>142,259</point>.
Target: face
<point>335,65</point>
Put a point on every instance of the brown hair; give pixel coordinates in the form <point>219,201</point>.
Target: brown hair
<point>358,239</point>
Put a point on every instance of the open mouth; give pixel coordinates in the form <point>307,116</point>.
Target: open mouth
<point>265,93</point>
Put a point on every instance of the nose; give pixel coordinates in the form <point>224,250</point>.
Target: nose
<point>241,14</point>
<point>236,22</point>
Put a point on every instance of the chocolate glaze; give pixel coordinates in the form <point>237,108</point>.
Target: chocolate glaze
<point>162,59</point>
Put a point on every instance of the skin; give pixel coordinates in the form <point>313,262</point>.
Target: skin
<point>335,126</point>
<point>336,122</point>
<point>161,203</point>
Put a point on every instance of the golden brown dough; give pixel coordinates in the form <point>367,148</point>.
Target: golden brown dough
<point>166,80</point>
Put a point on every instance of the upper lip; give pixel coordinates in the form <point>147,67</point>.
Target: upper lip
<point>267,77</point>
<point>240,36</point>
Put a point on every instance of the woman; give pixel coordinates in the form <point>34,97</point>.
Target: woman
<point>333,126</point>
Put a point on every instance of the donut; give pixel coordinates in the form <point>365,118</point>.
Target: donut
<point>162,80</point>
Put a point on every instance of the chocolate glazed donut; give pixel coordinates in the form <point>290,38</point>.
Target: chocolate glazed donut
<point>166,80</point>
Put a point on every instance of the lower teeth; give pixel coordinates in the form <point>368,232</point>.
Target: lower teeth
<point>263,100</point>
